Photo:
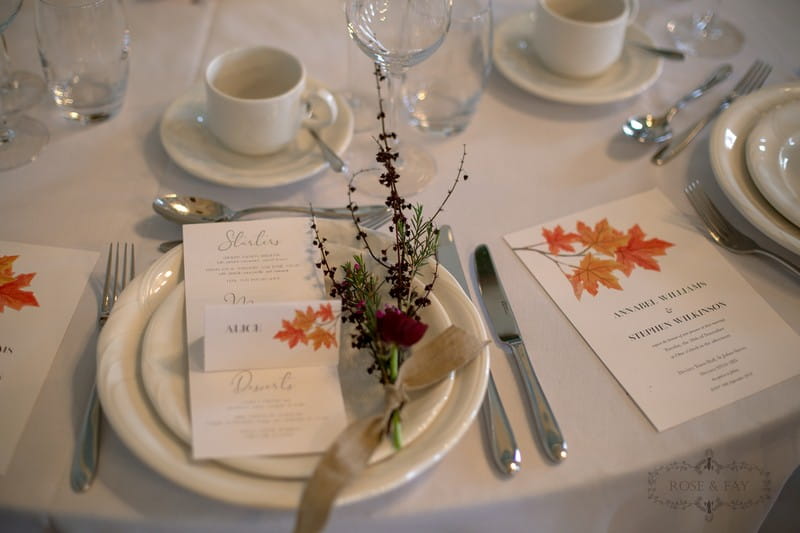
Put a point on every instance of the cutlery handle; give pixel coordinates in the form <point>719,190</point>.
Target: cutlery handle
<point>547,430</point>
<point>679,142</point>
<point>781,261</point>
<point>84,460</point>
<point>505,452</point>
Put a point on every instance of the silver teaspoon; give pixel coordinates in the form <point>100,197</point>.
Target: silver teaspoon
<point>666,53</point>
<point>336,163</point>
<point>656,128</point>
<point>194,210</point>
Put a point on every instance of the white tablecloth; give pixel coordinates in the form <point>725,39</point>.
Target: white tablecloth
<point>530,161</point>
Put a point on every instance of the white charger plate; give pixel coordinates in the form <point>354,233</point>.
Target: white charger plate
<point>133,418</point>
<point>773,158</point>
<point>195,149</point>
<point>514,57</point>
<point>164,362</point>
<point>728,160</point>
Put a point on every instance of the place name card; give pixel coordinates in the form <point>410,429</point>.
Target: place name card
<point>40,287</point>
<point>272,335</point>
<point>679,328</point>
<point>263,341</point>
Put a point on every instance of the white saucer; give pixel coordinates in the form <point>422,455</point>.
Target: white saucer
<point>727,152</point>
<point>773,158</point>
<point>197,151</point>
<point>514,57</point>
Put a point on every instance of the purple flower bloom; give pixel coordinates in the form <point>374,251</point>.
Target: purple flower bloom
<point>395,327</point>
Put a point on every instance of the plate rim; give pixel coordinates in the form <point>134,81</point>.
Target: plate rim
<point>729,165</point>
<point>559,94</point>
<point>254,180</point>
<point>770,183</point>
<point>117,380</point>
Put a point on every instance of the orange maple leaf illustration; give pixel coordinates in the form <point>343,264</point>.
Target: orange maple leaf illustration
<point>640,252</point>
<point>12,295</point>
<point>6,270</point>
<point>325,312</point>
<point>603,238</point>
<point>320,337</point>
<point>304,320</point>
<point>557,240</point>
<point>592,271</point>
<point>291,334</point>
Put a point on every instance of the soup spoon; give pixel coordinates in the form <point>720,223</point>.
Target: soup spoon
<point>656,128</point>
<point>193,210</point>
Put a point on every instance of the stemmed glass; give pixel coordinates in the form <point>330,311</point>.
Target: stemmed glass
<point>705,34</point>
<point>399,34</point>
<point>21,137</point>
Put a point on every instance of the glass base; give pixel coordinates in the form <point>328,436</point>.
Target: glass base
<point>415,166</point>
<point>22,142</point>
<point>717,38</point>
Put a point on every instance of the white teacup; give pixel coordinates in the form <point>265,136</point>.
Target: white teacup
<point>256,100</point>
<point>581,38</point>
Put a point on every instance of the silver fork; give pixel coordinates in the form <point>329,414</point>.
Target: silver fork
<point>373,220</point>
<point>723,233</point>
<point>84,459</point>
<point>753,79</point>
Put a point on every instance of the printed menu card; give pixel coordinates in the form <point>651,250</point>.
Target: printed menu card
<point>679,328</point>
<point>40,287</point>
<point>263,340</point>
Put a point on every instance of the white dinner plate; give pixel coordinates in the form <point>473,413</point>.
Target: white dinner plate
<point>773,158</point>
<point>164,362</point>
<point>728,160</point>
<point>195,149</point>
<point>635,71</point>
<point>133,418</point>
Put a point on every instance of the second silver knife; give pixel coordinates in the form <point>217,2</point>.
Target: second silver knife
<point>505,326</point>
<point>505,453</point>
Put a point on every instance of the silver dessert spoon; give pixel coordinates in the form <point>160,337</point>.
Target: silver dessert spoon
<point>656,128</point>
<point>194,210</point>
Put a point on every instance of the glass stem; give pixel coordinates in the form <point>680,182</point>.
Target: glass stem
<point>395,80</point>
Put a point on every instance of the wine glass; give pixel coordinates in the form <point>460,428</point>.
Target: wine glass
<point>705,34</point>
<point>399,34</point>
<point>21,137</point>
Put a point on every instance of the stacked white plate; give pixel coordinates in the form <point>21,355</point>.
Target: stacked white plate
<point>142,377</point>
<point>755,155</point>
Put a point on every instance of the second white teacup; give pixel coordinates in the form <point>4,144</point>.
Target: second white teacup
<point>581,38</point>
<point>256,100</point>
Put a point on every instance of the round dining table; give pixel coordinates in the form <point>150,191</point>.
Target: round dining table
<point>531,158</point>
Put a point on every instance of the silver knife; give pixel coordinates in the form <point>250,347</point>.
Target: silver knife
<point>505,453</point>
<point>502,319</point>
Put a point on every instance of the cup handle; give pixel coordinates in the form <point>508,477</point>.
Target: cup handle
<point>633,10</point>
<point>320,98</point>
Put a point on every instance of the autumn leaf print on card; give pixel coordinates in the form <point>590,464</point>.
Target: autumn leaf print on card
<point>315,326</point>
<point>12,294</point>
<point>592,257</point>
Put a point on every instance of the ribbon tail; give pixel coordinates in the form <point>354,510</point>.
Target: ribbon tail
<point>343,461</point>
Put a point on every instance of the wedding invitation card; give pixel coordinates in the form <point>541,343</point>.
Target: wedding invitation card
<point>40,287</point>
<point>263,341</point>
<point>672,320</point>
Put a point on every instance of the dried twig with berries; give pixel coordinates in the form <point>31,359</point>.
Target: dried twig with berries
<point>387,330</point>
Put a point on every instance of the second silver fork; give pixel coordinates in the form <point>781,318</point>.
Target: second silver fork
<point>753,79</point>
<point>723,233</point>
<point>84,459</point>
